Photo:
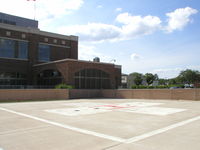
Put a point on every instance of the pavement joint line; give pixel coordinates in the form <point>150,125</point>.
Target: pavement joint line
<point>113,138</point>
<point>23,130</point>
<point>162,130</point>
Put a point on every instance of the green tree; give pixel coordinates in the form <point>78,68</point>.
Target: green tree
<point>136,78</point>
<point>162,81</point>
<point>172,81</point>
<point>150,78</point>
<point>189,76</point>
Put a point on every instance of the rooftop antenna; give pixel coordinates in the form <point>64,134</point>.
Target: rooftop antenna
<point>34,7</point>
<point>113,60</point>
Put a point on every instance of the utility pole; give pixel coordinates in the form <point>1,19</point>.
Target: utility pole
<point>34,7</point>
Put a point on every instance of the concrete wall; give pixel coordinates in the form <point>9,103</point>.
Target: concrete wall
<point>173,94</point>
<point>82,93</point>
<point>56,94</point>
<point>33,94</point>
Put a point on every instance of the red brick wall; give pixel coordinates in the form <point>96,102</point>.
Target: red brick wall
<point>56,94</point>
<point>175,94</point>
<point>69,67</point>
<point>33,94</point>
<point>74,50</point>
<point>82,93</point>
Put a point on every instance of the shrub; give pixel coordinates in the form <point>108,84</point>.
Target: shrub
<point>142,87</point>
<point>177,85</point>
<point>149,87</point>
<point>63,86</point>
<point>161,86</point>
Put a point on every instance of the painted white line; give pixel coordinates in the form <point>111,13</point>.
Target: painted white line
<point>162,130</point>
<point>23,130</point>
<point>77,111</point>
<point>160,111</point>
<point>116,139</point>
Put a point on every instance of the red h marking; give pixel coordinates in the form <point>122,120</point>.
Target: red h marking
<point>114,106</point>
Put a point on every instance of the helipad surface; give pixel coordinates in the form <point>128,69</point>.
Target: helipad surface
<point>100,124</point>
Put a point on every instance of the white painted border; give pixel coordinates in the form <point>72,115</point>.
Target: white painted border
<point>162,130</point>
<point>117,139</point>
<point>113,138</point>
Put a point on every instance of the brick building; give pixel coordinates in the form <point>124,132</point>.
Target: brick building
<point>30,57</point>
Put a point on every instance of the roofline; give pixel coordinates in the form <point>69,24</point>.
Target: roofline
<point>38,31</point>
<point>68,59</point>
<point>19,17</point>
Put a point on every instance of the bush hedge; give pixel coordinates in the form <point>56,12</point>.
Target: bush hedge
<point>156,87</point>
<point>63,86</point>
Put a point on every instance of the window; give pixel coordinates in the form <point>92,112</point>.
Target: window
<point>92,79</point>
<point>44,52</point>
<point>63,42</point>
<point>7,48</point>
<point>49,78</point>
<point>23,36</point>
<point>55,40</point>
<point>46,39</point>
<point>8,33</point>
<point>22,50</point>
<point>12,78</point>
<point>13,49</point>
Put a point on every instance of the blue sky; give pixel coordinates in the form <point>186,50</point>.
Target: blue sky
<point>157,36</point>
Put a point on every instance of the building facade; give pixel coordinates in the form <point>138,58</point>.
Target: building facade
<point>30,57</point>
<point>124,81</point>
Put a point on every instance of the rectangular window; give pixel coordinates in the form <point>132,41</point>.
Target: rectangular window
<point>44,52</point>
<point>7,48</point>
<point>23,50</point>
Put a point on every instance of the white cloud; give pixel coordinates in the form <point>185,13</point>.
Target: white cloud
<point>132,26</point>
<point>168,72</point>
<point>88,52</point>
<point>128,27</point>
<point>173,72</point>
<point>135,56</point>
<point>93,31</point>
<point>45,9</point>
<point>99,6</point>
<point>59,7</point>
<point>118,9</point>
<point>179,18</point>
<point>18,7</point>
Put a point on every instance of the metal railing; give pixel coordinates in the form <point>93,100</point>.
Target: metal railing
<point>26,87</point>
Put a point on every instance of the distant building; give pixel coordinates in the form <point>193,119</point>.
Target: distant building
<point>30,57</point>
<point>155,83</point>
<point>124,80</point>
<point>17,21</point>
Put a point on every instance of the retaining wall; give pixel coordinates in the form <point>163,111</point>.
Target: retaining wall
<point>173,94</point>
<point>58,94</point>
<point>33,94</point>
<point>82,93</point>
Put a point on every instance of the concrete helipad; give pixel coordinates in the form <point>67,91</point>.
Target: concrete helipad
<point>100,124</point>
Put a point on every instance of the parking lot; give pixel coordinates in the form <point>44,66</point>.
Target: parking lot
<point>100,124</point>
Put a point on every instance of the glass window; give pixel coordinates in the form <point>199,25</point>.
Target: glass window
<point>7,48</point>
<point>12,78</point>
<point>49,78</point>
<point>92,79</point>
<point>23,50</point>
<point>44,52</point>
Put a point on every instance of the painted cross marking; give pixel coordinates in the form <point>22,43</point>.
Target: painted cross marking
<point>78,109</point>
